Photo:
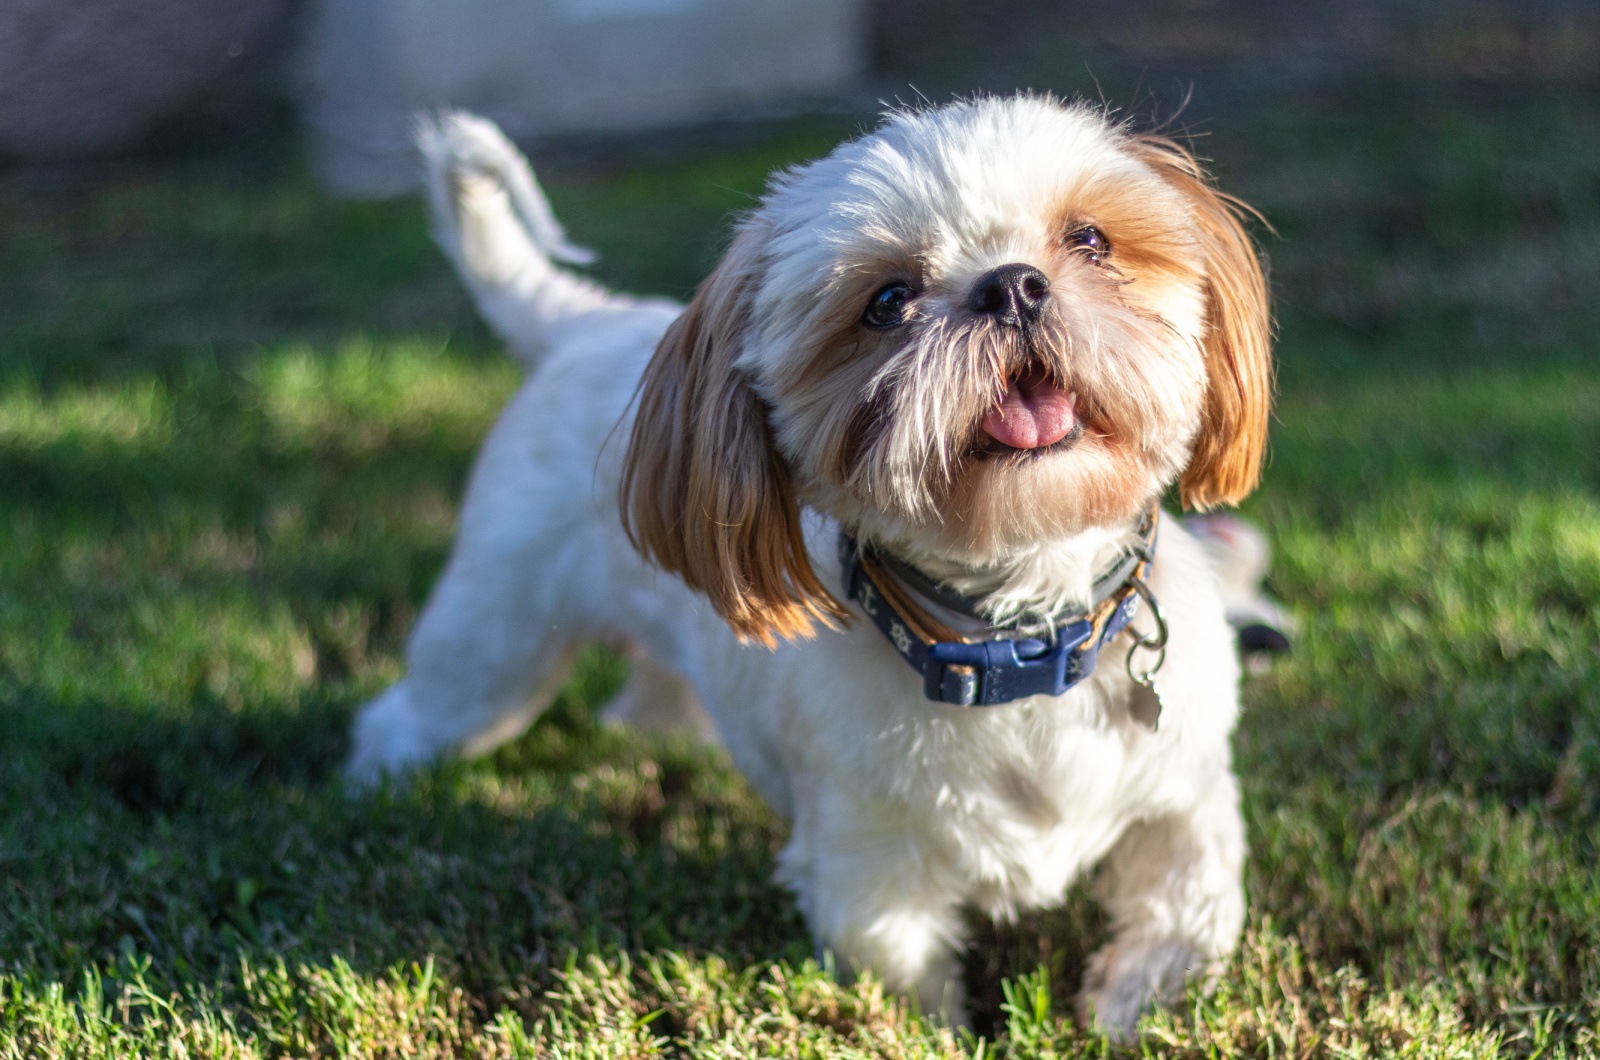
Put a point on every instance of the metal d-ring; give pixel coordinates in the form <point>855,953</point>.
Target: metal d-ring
<point>1157,643</point>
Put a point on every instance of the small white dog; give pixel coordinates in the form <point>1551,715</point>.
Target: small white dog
<point>944,374</point>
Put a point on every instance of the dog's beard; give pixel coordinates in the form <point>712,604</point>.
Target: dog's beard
<point>895,445</point>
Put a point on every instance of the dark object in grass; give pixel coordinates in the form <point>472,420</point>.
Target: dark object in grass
<point>1259,639</point>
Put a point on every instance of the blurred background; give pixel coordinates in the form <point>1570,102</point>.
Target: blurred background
<point>92,78</point>
<point>320,93</point>
<point>240,392</point>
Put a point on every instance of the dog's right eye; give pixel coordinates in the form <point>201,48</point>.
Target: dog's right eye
<point>887,308</point>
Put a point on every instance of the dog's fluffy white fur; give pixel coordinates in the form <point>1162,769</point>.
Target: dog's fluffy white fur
<point>744,430</point>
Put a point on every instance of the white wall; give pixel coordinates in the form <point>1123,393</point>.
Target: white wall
<point>554,66</point>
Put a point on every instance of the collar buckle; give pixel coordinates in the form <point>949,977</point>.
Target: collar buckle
<point>990,672</point>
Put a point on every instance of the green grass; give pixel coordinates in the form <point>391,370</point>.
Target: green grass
<point>234,423</point>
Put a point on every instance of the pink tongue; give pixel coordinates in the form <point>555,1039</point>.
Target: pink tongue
<point>1033,413</point>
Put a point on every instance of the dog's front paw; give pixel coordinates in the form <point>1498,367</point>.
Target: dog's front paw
<point>1125,980</point>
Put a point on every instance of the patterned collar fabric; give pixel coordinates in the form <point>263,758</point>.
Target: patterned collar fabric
<point>989,671</point>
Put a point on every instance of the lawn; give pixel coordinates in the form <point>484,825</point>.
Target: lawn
<point>235,419</point>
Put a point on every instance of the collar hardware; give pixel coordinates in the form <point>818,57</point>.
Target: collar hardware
<point>1155,643</point>
<point>982,673</point>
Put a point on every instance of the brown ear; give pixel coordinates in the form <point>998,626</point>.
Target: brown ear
<point>1226,464</point>
<point>704,493</point>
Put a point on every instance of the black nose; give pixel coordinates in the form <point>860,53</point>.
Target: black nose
<point>1011,294</point>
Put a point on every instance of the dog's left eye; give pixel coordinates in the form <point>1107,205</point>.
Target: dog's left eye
<point>887,308</point>
<point>1093,242</point>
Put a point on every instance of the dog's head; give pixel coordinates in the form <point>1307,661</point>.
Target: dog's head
<point>979,328</point>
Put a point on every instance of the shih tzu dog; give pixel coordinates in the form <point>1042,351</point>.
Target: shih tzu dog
<point>880,508</point>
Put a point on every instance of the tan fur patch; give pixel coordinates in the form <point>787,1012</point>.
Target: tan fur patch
<point>1233,433</point>
<point>704,493</point>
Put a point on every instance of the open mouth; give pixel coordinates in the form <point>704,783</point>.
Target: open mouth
<point>1035,415</point>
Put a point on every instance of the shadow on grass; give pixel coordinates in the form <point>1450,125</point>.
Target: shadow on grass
<point>202,841</point>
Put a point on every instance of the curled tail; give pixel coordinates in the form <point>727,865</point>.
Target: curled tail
<point>494,222</point>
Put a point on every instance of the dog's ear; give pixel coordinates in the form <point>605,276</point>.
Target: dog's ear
<point>1226,464</point>
<point>704,493</point>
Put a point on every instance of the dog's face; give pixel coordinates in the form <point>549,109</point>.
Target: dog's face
<point>981,328</point>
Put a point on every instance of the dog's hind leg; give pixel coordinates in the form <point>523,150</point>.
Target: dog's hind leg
<point>422,717</point>
<point>657,699</point>
<point>482,663</point>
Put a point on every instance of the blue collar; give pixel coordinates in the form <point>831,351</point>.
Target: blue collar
<point>986,673</point>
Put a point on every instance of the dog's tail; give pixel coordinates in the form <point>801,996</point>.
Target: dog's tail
<point>493,221</point>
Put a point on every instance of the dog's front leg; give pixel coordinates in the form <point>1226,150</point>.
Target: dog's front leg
<point>874,896</point>
<point>1172,887</point>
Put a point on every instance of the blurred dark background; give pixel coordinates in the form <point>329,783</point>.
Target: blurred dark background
<point>1427,167</point>
<point>98,78</point>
